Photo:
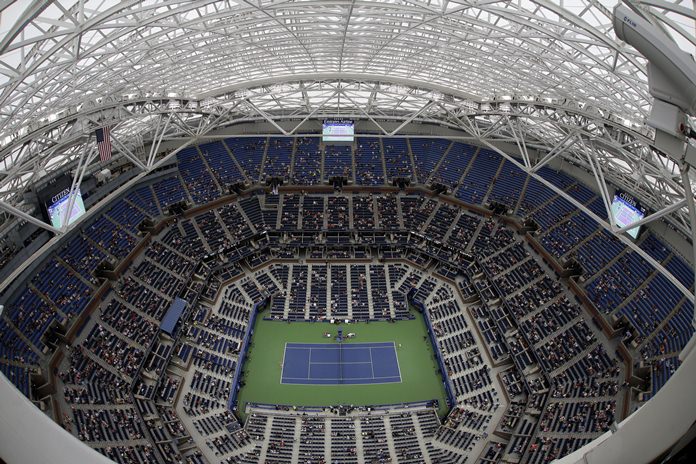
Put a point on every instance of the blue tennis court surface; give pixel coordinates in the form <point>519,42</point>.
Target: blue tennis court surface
<point>334,364</point>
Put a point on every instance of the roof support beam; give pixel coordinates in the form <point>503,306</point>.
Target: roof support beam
<point>30,13</point>
<point>411,118</point>
<point>367,115</point>
<point>22,215</point>
<point>127,153</point>
<point>92,211</point>
<point>266,117</point>
<point>602,186</point>
<point>157,140</point>
<point>604,224</point>
<point>492,128</point>
<point>182,124</point>
<point>84,161</point>
<point>555,151</point>
<point>312,112</point>
<point>519,140</point>
<point>653,217</point>
<point>692,217</point>
<point>464,124</point>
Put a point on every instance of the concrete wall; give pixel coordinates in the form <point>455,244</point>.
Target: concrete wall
<point>27,435</point>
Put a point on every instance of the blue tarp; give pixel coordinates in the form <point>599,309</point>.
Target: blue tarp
<point>231,403</point>
<point>173,314</point>
<point>451,398</point>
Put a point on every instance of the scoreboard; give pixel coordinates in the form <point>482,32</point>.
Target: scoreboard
<point>626,210</point>
<point>338,130</point>
<point>58,209</point>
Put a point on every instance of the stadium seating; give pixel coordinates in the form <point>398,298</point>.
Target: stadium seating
<point>313,255</point>
<point>307,166</point>
<point>368,161</point>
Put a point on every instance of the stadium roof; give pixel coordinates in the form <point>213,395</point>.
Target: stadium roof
<point>549,77</point>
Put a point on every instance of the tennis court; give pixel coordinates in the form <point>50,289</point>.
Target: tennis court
<point>340,363</point>
<point>263,367</point>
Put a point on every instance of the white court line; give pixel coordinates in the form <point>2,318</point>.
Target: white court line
<point>372,366</point>
<point>282,369</point>
<point>334,347</point>
<point>351,378</point>
<point>352,362</point>
<point>309,364</point>
<point>397,362</point>
<point>343,384</point>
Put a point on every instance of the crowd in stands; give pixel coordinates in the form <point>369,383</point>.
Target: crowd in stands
<point>561,368</point>
<point>368,162</point>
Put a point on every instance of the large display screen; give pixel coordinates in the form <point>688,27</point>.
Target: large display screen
<point>57,210</point>
<point>338,130</point>
<point>626,211</point>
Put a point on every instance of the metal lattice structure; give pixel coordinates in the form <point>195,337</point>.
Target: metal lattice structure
<point>548,77</point>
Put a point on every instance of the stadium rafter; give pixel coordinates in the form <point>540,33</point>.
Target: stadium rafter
<point>545,77</point>
<point>537,130</point>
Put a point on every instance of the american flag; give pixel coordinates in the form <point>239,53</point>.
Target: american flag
<point>104,143</point>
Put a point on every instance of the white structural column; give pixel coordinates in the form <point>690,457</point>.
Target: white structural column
<point>692,215</point>
<point>27,435</point>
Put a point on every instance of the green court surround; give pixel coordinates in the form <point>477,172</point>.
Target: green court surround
<point>262,368</point>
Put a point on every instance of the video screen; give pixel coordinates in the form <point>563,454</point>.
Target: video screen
<point>56,211</point>
<point>626,211</point>
<point>338,130</point>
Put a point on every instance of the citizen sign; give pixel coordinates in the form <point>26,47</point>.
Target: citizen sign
<point>628,198</point>
<point>60,195</point>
